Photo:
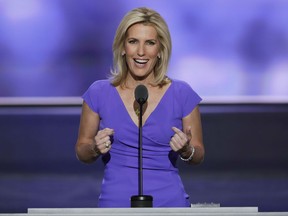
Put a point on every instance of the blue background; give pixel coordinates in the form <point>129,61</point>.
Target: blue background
<point>221,47</point>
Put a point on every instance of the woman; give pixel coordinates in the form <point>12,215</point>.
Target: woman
<point>171,118</point>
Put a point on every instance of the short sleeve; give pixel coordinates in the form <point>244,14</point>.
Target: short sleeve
<point>93,95</point>
<point>188,97</point>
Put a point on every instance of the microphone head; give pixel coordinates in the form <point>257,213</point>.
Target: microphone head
<point>141,94</point>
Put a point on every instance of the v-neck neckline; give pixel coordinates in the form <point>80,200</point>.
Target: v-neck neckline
<point>153,111</point>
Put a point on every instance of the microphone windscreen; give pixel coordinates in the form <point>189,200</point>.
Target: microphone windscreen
<point>141,94</point>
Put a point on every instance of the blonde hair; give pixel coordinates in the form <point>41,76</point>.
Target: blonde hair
<point>146,16</point>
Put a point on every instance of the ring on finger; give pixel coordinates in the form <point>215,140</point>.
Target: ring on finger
<point>107,145</point>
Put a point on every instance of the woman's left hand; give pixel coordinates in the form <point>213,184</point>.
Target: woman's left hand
<point>180,140</point>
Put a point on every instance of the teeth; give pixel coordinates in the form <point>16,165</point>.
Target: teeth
<point>141,61</point>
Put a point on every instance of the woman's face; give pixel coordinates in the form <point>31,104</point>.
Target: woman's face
<point>141,49</point>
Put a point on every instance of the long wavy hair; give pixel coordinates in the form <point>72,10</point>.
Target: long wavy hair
<point>148,17</point>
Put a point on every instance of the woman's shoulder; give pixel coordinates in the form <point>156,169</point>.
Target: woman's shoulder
<point>183,88</point>
<point>180,84</point>
<point>98,87</point>
<point>184,93</point>
<point>101,84</point>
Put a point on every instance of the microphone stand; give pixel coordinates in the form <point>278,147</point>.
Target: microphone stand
<point>141,200</point>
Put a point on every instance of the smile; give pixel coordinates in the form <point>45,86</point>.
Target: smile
<point>141,61</point>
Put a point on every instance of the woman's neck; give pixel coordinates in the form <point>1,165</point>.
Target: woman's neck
<point>131,82</point>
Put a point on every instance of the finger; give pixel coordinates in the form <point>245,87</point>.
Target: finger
<point>106,140</point>
<point>176,130</point>
<point>102,134</point>
<point>107,143</point>
<point>109,131</point>
<point>173,146</point>
<point>103,140</point>
<point>107,149</point>
<point>104,147</point>
<point>105,132</point>
<point>177,142</point>
<point>179,133</point>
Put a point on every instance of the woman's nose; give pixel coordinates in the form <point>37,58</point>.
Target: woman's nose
<point>140,51</point>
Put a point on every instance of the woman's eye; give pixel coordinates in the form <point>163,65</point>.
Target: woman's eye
<point>132,41</point>
<point>151,42</point>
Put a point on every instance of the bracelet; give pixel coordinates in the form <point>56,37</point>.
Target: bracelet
<point>190,157</point>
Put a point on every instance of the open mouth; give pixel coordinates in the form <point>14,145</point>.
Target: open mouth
<point>141,61</point>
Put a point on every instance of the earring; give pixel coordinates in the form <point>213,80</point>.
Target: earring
<point>158,56</point>
<point>123,53</point>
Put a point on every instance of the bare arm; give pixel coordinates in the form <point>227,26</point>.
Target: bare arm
<point>191,137</point>
<point>91,143</point>
<point>193,121</point>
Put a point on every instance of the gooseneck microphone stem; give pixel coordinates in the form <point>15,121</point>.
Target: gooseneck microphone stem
<point>140,200</point>
<point>140,172</point>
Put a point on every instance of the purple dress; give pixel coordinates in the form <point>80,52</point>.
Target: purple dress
<point>160,174</point>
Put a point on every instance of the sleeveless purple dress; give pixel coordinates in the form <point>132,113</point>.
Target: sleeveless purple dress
<point>160,174</point>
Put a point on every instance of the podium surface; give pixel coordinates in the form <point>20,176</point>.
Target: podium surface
<point>194,211</point>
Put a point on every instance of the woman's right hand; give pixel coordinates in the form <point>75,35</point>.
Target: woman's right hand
<point>103,140</point>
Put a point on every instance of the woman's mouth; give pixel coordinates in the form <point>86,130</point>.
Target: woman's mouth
<point>141,61</point>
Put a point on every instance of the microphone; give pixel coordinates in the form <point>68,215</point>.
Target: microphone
<point>140,200</point>
<point>141,94</point>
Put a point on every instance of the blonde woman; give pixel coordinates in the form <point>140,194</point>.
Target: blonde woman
<point>171,119</point>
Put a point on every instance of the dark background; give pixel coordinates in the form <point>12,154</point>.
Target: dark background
<point>246,158</point>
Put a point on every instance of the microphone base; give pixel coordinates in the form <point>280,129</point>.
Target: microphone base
<point>141,201</point>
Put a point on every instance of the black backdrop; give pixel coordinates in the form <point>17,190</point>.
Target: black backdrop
<point>246,158</point>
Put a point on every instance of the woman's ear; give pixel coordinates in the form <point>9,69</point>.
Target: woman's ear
<point>123,53</point>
